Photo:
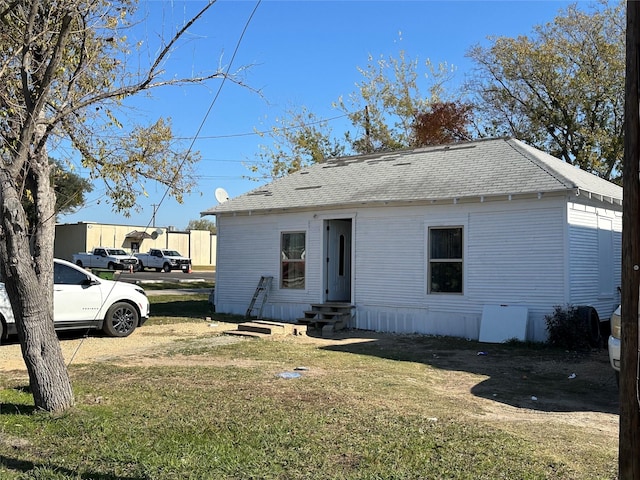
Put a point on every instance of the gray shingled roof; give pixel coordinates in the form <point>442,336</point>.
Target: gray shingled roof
<point>483,168</point>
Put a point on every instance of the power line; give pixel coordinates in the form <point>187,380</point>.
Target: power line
<point>186,155</point>
<point>263,132</point>
<point>259,133</point>
<point>213,102</point>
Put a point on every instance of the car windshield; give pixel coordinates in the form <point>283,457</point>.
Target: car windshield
<point>117,252</point>
<point>172,253</point>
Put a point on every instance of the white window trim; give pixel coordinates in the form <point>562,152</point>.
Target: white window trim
<point>306,247</point>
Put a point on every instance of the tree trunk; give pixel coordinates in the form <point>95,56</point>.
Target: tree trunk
<point>28,276</point>
<point>629,439</point>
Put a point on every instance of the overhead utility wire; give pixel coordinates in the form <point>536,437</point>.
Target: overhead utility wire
<point>264,132</point>
<point>197,133</point>
<point>215,98</point>
<point>249,134</point>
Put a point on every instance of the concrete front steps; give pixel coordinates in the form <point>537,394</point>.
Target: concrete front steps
<point>326,317</point>
<point>329,317</point>
<point>265,328</point>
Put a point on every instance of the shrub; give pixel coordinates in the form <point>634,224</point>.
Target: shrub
<point>569,328</point>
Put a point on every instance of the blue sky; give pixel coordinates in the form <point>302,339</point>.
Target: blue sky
<point>299,53</point>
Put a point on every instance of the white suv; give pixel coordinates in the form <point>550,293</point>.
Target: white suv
<point>614,342</point>
<point>82,300</point>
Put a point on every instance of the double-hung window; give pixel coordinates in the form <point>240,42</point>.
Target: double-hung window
<point>445,260</point>
<point>292,260</point>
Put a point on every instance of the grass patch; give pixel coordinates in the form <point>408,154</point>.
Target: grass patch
<point>183,306</point>
<point>177,285</point>
<point>203,268</point>
<point>368,410</point>
<point>166,309</point>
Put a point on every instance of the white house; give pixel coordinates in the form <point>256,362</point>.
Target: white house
<point>427,240</point>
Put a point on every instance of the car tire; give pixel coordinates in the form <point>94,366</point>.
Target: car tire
<point>140,267</point>
<point>121,320</point>
<point>79,263</point>
<point>591,322</point>
<point>111,266</point>
<point>166,268</point>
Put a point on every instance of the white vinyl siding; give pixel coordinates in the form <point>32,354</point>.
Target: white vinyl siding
<point>595,257</point>
<point>517,256</point>
<point>389,258</point>
<point>244,253</point>
<point>536,253</point>
<point>512,255</point>
<point>248,248</point>
<point>605,256</point>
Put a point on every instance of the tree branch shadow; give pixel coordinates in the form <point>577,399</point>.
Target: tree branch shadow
<point>26,466</point>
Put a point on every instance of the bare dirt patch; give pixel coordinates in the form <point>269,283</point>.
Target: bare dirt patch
<point>503,385</point>
<point>142,343</point>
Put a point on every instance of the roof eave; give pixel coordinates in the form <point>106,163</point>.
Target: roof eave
<point>599,197</point>
<point>427,201</point>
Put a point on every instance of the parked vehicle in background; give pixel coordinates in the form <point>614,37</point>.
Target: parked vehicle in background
<point>614,342</point>
<point>109,258</point>
<point>83,300</point>
<point>163,260</point>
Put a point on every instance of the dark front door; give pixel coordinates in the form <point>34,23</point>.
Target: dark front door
<point>338,260</point>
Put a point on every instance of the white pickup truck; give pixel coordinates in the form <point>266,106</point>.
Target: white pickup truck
<point>110,258</point>
<point>82,300</point>
<point>163,260</point>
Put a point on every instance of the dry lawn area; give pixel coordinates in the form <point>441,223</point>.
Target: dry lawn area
<point>568,400</point>
<point>491,385</point>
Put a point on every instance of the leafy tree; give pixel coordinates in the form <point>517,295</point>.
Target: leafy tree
<point>385,112</point>
<point>69,188</point>
<point>63,76</point>
<point>384,107</point>
<point>561,89</point>
<point>444,122</point>
<point>301,139</point>
<point>202,224</point>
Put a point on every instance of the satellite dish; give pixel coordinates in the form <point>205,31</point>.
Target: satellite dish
<point>156,233</point>
<point>221,195</point>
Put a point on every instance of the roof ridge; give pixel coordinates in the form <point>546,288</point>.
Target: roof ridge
<point>544,166</point>
<point>409,150</point>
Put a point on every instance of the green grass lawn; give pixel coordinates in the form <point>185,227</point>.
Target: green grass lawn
<point>179,307</point>
<point>177,285</point>
<point>363,411</point>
